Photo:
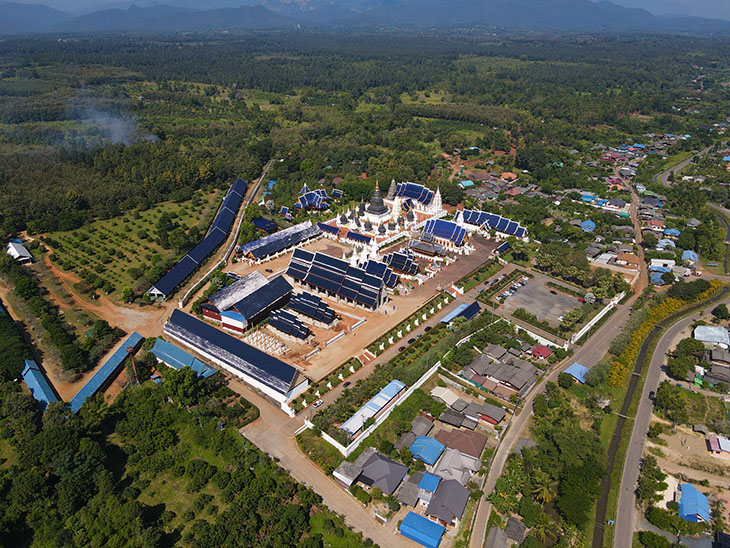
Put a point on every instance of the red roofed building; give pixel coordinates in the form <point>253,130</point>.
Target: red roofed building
<point>541,352</point>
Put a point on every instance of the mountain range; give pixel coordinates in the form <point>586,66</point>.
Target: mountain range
<point>219,15</point>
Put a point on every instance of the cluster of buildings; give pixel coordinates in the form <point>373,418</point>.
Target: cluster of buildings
<point>450,450</point>
<point>503,372</point>
<point>715,367</point>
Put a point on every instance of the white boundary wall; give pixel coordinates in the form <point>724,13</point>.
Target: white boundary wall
<point>597,317</point>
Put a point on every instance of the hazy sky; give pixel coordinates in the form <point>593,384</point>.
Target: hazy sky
<point>719,9</point>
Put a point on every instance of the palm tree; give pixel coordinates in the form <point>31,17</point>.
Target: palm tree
<point>544,486</point>
<point>543,527</point>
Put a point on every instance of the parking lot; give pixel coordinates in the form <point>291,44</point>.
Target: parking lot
<point>537,298</point>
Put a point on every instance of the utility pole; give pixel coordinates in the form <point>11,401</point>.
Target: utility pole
<point>130,351</point>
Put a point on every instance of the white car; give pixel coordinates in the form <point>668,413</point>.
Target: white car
<point>318,403</point>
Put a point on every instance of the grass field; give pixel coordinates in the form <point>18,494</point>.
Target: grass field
<point>120,249</point>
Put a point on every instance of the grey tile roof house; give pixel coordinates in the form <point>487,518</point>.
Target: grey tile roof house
<point>515,529</point>
<point>421,426</point>
<point>456,466</point>
<point>380,471</point>
<point>347,472</point>
<point>448,502</point>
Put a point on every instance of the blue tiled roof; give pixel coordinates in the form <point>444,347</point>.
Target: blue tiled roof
<point>445,230</point>
<point>416,192</point>
<point>216,236</point>
<point>238,355</point>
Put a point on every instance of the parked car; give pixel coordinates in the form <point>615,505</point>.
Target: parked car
<point>553,292</point>
<point>318,403</point>
<point>401,348</point>
<point>269,270</point>
<point>411,340</point>
<point>698,273</point>
<point>561,318</point>
<point>581,301</point>
<point>346,384</point>
<point>652,395</point>
<point>427,328</point>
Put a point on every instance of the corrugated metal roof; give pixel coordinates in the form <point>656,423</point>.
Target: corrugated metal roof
<point>107,370</point>
<point>38,384</point>
<point>177,358</point>
<point>422,530</point>
<point>380,400</point>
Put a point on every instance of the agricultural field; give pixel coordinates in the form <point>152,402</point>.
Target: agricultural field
<point>124,252</point>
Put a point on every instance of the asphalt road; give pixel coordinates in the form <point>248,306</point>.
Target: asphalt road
<point>625,512</point>
<point>663,176</point>
<point>589,354</point>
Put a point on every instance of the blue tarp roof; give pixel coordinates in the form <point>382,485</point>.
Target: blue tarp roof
<point>427,449</point>
<point>422,530</point>
<point>238,355</point>
<point>101,377</point>
<point>672,232</point>
<point>656,278</point>
<point>726,159</point>
<point>429,482</point>
<point>38,384</point>
<point>693,505</point>
<point>177,358</point>
<point>578,371</point>
<point>689,255</point>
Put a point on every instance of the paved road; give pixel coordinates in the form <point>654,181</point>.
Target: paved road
<point>663,176</point>
<point>723,214</point>
<point>589,354</point>
<point>625,512</point>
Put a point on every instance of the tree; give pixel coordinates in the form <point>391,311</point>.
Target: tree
<point>182,386</point>
<point>668,278</point>
<point>721,312</point>
<point>565,380</point>
<point>540,406</point>
<point>543,527</point>
<point>679,368</point>
<point>650,240</point>
<point>544,486</point>
<point>651,481</point>
<point>127,294</point>
<point>598,374</point>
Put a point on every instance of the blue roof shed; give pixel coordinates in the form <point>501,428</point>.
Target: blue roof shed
<point>102,376</point>
<point>656,278</point>
<point>422,530</point>
<point>588,226</point>
<point>693,505</point>
<point>38,384</point>
<point>578,372</point>
<point>467,183</point>
<point>726,159</point>
<point>426,449</point>
<point>672,232</point>
<point>177,358</point>
<point>468,311</point>
<point>429,482</point>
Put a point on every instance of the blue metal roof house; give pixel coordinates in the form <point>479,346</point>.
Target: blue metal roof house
<point>429,482</point>
<point>672,232</point>
<point>588,226</point>
<point>693,505</point>
<point>373,407</point>
<point>426,449</point>
<point>464,310</point>
<point>177,358</point>
<point>578,372</point>
<point>38,384</point>
<point>422,530</point>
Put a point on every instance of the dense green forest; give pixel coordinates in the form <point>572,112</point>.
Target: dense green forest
<point>163,466</point>
<point>90,128</point>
